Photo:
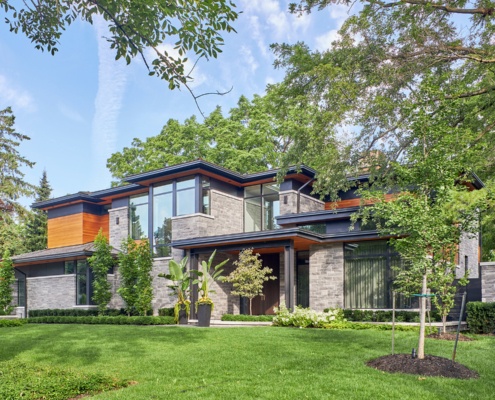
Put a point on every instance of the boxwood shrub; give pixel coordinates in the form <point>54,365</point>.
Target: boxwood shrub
<point>385,316</point>
<point>105,320</point>
<point>74,312</point>
<point>247,318</point>
<point>10,323</point>
<point>166,312</point>
<point>481,317</point>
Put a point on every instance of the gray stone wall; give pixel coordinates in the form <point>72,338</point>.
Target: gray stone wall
<point>114,279</point>
<point>488,281</point>
<point>228,213</point>
<point>468,246</point>
<point>119,232</point>
<point>161,293</point>
<point>191,226</point>
<point>51,292</point>
<point>326,276</point>
<point>307,203</point>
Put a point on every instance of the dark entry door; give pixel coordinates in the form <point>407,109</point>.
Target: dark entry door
<point>271,289</point>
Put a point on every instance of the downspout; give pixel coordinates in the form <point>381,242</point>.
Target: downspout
<point>299,194</point>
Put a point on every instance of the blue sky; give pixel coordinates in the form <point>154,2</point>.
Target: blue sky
<point>81,105</point>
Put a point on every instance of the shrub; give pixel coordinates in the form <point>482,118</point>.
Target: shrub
<point>10,323</point>
<point>74,312</point>
<point>385,316</point>
<point>365,326</point>
<point>481,317</point>
<point>305,317</point>
<point>104,320</point>
<point>253,318</point>
<point>166,312</point>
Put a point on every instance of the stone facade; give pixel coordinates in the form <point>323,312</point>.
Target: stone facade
<point>51,292</point>
<point>114,279</point>
<point>288,203</point>
<point>326,276</point>
<point>487,281</point>
<point>120,231</point>
<point>468,252</point>
<point>191,226</point>
<point>228,213</point>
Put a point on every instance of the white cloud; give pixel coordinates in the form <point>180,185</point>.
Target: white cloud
<point>249,59</point>
<point>324,42</point>
<point>15,97</point>
<point>112,79</point>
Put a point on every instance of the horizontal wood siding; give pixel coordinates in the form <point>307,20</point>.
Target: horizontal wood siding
<point>351,202</point>
<point>92,224</point>
<point>76,229</point>
<point>65,231</point>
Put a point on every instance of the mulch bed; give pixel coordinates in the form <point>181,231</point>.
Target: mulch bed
<point>449,336</point>
<point>429,366</point>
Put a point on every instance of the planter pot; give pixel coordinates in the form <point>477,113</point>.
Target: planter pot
<point>183,318</point>
<point>204,315</point>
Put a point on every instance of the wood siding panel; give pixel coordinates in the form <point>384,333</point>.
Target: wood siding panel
<point>351,202</point>
<point>92,224</point>
<point>65,231</point>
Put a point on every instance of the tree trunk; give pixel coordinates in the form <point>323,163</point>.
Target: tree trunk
<point>422,321</point>
<point>444,324</point>
<point>250,305</point>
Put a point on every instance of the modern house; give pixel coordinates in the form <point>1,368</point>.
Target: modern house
<point>194,208</point>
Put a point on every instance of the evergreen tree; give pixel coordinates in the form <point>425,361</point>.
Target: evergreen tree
<point>101,261</point>
<point>36,228</point>
<point>7,279</point>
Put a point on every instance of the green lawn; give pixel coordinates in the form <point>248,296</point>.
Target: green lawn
<point>246,363</point>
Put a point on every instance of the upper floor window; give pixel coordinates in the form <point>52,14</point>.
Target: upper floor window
<point>261,206</point>
<point>138,218</point>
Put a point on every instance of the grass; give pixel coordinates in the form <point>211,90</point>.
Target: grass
<point>246,363</point>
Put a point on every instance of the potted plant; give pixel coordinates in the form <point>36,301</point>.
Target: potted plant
<point>206,276</point>
<point>181,283</point>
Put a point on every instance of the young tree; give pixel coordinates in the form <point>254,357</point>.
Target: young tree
<point>36,226</point>
<point>101,261</point>
<point>135,26</point>
<point>12,184</point>
<point>249,276</point>
<point>7,279</point>
<point>135,264</point>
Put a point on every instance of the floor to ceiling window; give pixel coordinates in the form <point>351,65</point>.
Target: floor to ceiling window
<point>261,206</point>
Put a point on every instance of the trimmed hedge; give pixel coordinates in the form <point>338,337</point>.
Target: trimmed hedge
<point>385,316</point>
<point>247,318</point>
<point>166,312</point>
<point>481,317</point>
<point>10,323</point>
<point>119,320</point>
<point>377,327</point>
<point>74,312</point>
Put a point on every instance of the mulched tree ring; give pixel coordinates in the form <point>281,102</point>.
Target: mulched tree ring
<point>429,366</point>
<point>449,336</point>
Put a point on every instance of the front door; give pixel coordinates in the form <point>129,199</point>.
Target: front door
<point>263,305</point>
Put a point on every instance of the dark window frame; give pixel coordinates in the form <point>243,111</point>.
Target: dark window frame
<point>261,195</point>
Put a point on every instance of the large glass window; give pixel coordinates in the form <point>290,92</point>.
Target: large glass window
<point>84,284</point>
<point>162,223</point>
<point>185,197</point>
<point>369,274</point>
<point>261,206</point>
<point>302,278</point>
<point>138,218</point>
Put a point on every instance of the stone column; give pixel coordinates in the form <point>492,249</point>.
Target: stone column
<point>488,281</point>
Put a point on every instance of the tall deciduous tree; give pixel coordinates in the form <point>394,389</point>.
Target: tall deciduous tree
<point>36,226</point>
<point>7,279</point>
<point>101,261</point>
<point>249,276</point>
<point>135,264</point>
<point>12,184</point>
<point>135,26</point>
<point>249,139</point>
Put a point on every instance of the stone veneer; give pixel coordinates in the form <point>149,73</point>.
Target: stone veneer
<point>488,281</point>
<point>326,276</point>
<point>468,246</point>
<point>306,204</point>
<point>119,232</point>
<point>114,279</point>
<point>51,292</point>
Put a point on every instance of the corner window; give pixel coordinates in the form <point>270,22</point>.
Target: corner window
<point>261,206</point>
<point>84,284</point>
<point>185,191</point>
<point>162,223</point>
<point>205,195</point>
<point>138,217</point>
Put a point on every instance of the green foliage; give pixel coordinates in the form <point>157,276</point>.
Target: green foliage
<point>378,327</point>
<point>166,312</point>
<point>135,264</point>
<point>384,316</point>
<point>481,317</point>
<point>247,318</point>
<point>103,320</point>
<point>101,261</point>
<point>11,323</point>
<point>206,276</point>
<point>36,226</point>
<point>7,279</point>
<point>248,140</point>
<point>307,318</point>
<point>181,285</point>
<point>135,27</point>
<point>31,382</point>
<point>71,312</point>
<point>249,276</point>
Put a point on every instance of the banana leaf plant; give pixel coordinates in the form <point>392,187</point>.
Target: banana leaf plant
<point>181,285</point>
<point>206,275</point>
